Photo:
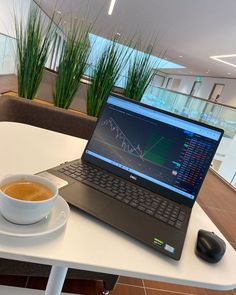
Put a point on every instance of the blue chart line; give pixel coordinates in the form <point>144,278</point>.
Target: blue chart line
<point>126,144</point>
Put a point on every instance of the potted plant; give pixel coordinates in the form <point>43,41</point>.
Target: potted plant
<point>140,71</point>
<point>72,65</point>
<point>105,74</point>
<point>33,40</point>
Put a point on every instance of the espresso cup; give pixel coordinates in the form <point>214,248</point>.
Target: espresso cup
<point>29,209</point>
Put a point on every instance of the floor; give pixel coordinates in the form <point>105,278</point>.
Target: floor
<point>125,286</point>
<point>221,208</point>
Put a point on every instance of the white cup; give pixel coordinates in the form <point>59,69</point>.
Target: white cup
<point>26,212</point>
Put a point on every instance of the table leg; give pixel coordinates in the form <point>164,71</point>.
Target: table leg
<point>56,280</point>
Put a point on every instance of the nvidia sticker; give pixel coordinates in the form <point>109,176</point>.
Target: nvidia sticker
<point>158,242</point>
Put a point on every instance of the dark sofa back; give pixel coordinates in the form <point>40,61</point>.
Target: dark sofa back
<point>15,109</point>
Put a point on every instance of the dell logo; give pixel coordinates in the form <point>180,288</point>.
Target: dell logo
<point>133,177</point>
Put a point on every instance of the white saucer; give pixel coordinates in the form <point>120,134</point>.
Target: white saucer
<point>55,220</point>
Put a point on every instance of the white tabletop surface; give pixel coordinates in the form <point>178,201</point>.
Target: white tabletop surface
<point>89,244</point>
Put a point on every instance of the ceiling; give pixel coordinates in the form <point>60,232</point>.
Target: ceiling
<point>190,31</point>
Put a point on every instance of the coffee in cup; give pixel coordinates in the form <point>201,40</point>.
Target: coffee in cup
<point>26,199</point>
<point>27,190</point>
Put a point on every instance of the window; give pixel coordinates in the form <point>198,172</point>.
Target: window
<point>158,80</point>
<point>168,82</point>
<point>195,88</point>
<point>175,84</point>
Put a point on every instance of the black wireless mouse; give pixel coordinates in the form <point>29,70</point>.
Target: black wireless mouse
<point>209,246</point>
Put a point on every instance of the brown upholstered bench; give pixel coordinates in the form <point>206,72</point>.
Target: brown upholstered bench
<point>15,109</point>
<point>21,110</point>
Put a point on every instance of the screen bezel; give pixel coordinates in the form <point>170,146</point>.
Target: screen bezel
<point>141,181</point>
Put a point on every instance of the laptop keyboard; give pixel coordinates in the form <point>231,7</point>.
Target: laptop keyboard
<point>130,194</point>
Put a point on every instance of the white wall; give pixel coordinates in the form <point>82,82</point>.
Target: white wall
<point>8,8</point>
<point>186,84</point>
<point>228,95</point>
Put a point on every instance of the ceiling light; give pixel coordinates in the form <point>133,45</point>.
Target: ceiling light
<point>219,58</point>
<point>180,56</point>
<point>228,73</point>
<point>58,11</point>
<point>112,4</point>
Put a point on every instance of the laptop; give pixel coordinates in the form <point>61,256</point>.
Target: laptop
<point>141,172</point>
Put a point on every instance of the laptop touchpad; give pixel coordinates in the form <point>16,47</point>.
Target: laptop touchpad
<point>85,197</point>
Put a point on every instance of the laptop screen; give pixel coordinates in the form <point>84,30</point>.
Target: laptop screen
<point>166,150</point>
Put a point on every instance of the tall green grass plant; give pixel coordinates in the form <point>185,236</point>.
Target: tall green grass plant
<point>72,65</point>
<point>140,73</point>
<point>33,40</point>
<point>105,74</point>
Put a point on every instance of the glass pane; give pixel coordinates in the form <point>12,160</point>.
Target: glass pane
<point>7,55</point>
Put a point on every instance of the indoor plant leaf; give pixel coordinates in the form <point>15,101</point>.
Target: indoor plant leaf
<point>32,48</point>
<point>72,64</point>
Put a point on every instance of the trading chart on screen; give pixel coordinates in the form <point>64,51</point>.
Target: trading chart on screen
<point>165,152</point>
